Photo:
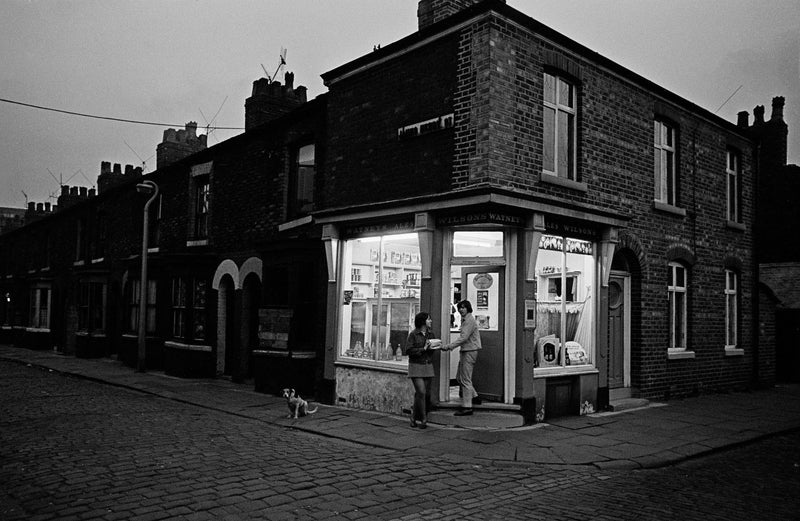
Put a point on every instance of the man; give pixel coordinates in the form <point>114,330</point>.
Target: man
<point>469,340</point>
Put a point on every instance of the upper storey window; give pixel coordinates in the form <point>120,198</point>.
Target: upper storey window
<point>733,177</point>
<point>664,149</point>
<point>301,187</point>
<point>560,111</point>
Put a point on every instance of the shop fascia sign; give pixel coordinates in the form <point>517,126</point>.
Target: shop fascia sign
<point>380,228</point>
<point>480,218</point>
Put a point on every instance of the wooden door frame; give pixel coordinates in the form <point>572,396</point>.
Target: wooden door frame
<point>626,324</point>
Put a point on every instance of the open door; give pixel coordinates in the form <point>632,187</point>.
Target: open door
<point>484,287</point>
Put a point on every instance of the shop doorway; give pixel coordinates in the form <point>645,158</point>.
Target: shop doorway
<point>619,333</point>
<point>484,287</point>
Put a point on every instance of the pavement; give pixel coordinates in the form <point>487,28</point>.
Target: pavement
<point>657,435</point>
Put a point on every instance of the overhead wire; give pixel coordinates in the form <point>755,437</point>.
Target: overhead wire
<point>108,118</point>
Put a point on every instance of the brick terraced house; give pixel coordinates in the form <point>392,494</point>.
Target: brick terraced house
<point>601,225</point>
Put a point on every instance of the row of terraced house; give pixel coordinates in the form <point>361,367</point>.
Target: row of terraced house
<point>603,227</point>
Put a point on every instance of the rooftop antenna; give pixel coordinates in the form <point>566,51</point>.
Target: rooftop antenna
<point>210,124</point>
<point>281,64</point>
<point>26,197</point>
<point>729,98</point>
<point>144,161</point>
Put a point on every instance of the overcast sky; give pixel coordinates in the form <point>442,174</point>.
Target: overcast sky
<point>188,60</point>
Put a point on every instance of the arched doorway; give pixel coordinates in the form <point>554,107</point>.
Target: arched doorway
<point>226,343</point>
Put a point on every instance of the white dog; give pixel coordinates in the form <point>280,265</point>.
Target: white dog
<point>297,406</point>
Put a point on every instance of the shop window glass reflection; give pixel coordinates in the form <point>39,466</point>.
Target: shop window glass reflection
<point>381,296</point>
<point>565,269</point>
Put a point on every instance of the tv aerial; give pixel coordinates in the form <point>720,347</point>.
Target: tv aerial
<point>144,161</point>
<point>210,123</point>
<point>281,65</point>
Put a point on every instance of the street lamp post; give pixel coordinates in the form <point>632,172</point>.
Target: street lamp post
<point>146,187</point>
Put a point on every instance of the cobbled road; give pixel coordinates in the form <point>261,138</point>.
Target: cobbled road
<point>72,449</point>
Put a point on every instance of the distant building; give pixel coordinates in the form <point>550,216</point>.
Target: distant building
<point>11,218</point>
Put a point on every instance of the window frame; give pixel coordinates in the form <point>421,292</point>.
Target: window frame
<point>665,130</point>
<point>571,111</point>
<point>732,296</point>
<point>202,205</point>
<point>187,311</point>
<point>302,181</point>
<point>92,298</point>
<point>150,307</point>
<point>39,317</point>
<point>733,185</point>
<point>674,289</point>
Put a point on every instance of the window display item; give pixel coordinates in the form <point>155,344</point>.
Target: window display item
<point>548,351</point>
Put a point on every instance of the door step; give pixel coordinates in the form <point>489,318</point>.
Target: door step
<point>628,403</point>
<point>489,415</point>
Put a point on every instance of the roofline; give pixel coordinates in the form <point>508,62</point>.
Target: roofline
<point>486,9</point>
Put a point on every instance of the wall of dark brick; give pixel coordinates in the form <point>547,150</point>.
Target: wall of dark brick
<point>366,160</point>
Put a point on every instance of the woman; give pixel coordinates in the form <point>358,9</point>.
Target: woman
<point>420,366</point>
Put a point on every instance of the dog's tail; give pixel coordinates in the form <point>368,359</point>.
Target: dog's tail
<point>312,411</point>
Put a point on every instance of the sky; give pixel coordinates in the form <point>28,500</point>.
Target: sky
<point>174,61</point>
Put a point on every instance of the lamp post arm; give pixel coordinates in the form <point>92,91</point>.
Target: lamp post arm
<point>141,365</point>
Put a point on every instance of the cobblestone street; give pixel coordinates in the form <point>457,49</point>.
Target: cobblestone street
<point>77,449</point>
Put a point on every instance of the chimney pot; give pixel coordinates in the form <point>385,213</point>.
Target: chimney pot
<point>128,169</point>
<point>31,206</point>
<point>92,192</point>
<point>47,207</point>
<point>64,190</point>
<point>40,207</point>
<point>83,191</point>
<point>73,190</point>
<point>105,167</point>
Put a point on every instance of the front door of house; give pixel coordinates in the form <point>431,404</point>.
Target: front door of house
<point>617,331</point>
<point>484,287</point>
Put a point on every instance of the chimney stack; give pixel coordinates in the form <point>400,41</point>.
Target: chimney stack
<point>178,144</point>
<point>431,11</point>
<point>744,119</point>
<point>271,100</point>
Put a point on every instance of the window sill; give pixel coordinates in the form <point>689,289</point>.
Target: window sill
<point>37,329</point>
<point>188,347</point>
<point>386,366</point>
<point>544,372</point>
<point>92,334</point>
<point>96,261</point>
<point>735,226</point>
<point>733,351</point>
<point>152,250</point>
<point>679,354</point>
<point>197,242</point>
<point>566,183</point>
<point>668,208</point>
<point>78,263</point>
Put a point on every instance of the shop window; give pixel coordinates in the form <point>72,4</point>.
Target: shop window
<point>478,244</point>
<point>565,269</point>
<point>92,306</point>
<point>664,164</point>
<point>133,306</point>
<point>40,308</point>
<point>189,309</point>
<point>301,187</point>
<point>677,288</point>
<point>560,113</point>
<point>381,297</point>
<point>731,309</point>
<point>733,180</point>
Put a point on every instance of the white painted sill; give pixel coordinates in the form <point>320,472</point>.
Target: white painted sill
<point>679,354</point>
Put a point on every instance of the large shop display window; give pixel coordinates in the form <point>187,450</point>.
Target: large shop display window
<point>565,269</point>
<point>380,298</point>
